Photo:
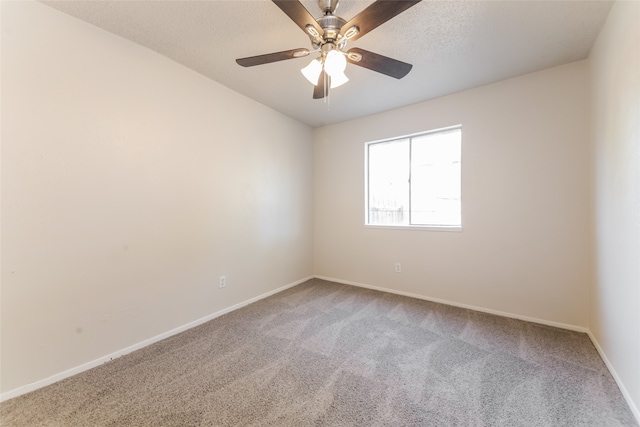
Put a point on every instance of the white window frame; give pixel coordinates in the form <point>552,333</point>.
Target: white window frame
<point>428,227</point>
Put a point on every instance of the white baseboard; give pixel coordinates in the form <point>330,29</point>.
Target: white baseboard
<point>614,374</point>
<point>455,304</point>
<point>97,362</point>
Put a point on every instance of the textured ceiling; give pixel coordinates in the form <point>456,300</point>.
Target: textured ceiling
<point>453,45</point>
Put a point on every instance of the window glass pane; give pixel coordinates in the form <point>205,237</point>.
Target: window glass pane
<point>415,180</point>
<point>388,180</point>
<point>435,178</point>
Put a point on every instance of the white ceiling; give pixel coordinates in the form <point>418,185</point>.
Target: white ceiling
<point>453,45</point>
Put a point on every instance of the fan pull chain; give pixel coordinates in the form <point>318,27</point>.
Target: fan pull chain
<point>327,92</point>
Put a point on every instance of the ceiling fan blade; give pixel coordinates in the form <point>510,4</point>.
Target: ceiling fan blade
<point>300,15</point>
<point>272,57</point>
<point>382,64</point>
<point>319,90</point>
<point>375,15</point>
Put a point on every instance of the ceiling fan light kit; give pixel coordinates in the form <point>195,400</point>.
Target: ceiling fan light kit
<point>329,35</point>
<point>333,63</point>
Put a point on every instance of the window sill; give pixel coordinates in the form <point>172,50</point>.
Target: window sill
<point>451,228</point>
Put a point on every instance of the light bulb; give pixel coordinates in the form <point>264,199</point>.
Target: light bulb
<point>335,63</point>
<point>312,71</point>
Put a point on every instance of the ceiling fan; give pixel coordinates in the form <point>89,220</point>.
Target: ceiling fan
<point>329,35</point>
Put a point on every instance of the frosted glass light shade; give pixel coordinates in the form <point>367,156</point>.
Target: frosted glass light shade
<point>335,63</point>
<point>338,79</point>
<point>312,71</point>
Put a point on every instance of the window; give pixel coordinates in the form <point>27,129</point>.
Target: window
<point>415,180</point>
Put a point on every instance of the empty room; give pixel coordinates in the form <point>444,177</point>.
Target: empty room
<point>328,213</point>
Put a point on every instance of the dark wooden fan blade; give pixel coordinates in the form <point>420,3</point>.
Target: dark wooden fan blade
<point>319,90</point>
<point>377,14</point>
<point>272,57</point>
<point>299,14</point>
<point>382,64</point>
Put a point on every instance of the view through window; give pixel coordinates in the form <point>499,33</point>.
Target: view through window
<point>415,180</point>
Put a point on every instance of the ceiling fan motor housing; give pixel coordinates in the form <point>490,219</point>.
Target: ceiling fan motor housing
<point>331,25</point>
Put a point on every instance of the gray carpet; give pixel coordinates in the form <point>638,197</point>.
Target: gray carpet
<point>326,354</point>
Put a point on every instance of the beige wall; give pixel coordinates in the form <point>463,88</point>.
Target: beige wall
<point>524,248</point>
<point>129,184</point>
<point>615,109</point>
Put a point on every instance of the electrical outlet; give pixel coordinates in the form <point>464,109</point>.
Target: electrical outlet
<point>398,267</point>
<point>223,281</point>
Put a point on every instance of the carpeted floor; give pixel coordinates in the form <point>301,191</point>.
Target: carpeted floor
<point>326,354</point>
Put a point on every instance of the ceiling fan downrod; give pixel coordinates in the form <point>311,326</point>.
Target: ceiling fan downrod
<point>328,7</point>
